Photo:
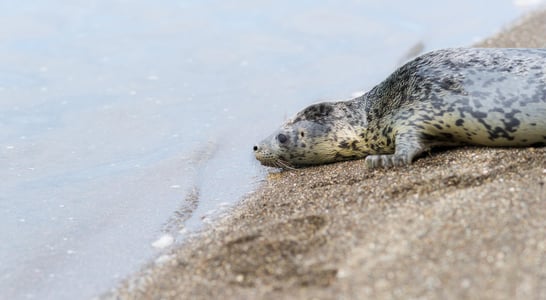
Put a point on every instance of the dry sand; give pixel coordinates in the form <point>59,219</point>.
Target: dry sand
<point>467,223</point>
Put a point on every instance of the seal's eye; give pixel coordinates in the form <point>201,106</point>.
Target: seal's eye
<point>282,138</point>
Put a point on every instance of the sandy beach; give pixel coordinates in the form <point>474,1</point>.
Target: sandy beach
<point>465,223</point>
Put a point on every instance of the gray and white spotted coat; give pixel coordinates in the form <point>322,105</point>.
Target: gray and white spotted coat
<point>450,97</point>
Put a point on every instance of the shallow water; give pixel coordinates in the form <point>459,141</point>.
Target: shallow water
<point>121,121</point>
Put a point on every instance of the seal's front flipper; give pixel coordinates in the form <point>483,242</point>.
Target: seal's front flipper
<point>408,146</point>
<point>386,161</point>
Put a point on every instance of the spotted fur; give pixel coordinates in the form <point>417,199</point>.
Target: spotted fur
<point>487,97</point>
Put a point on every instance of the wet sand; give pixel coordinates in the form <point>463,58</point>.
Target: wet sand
<point>457,224</point>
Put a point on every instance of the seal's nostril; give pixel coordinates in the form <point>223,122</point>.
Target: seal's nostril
<point>255,148</point>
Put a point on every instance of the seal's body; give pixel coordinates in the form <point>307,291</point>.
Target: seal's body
<point>488,97</point>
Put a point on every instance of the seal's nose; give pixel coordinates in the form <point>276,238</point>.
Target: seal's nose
<point>255,148</point>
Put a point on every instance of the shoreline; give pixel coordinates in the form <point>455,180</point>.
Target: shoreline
<point>463,223</point>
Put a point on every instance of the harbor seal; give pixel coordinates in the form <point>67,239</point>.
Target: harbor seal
<point>449,97</point>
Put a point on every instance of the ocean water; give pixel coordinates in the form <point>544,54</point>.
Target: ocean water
<point>127,125</point>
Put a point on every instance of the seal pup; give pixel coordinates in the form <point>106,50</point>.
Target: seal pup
<point>449,97</point>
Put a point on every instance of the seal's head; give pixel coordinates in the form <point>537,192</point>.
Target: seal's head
<point>322,133</point>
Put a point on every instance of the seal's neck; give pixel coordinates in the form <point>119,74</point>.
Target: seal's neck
<point>355,110</point>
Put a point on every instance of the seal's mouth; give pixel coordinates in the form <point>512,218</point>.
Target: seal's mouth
<point>274,162</point>
<point>278,163</point>
<point>268,159</point>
